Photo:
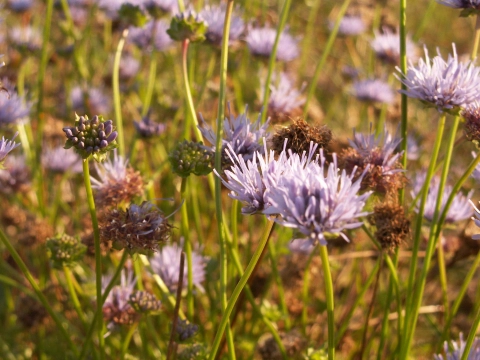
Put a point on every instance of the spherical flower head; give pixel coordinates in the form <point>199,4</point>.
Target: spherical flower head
<point>319,201</point>
<point>166,263</point>
<point>460,208</point>
<point>145,302</point>
<point>14,109</point>
<point>447,85</point>
<point>470,7</point>
<point>93,100</point>
<point>139,229</point>
<point>94,137</point>
<point>20,6</point>
<point>6,146</point>
<point>65,250</point>
<point>458,349</point>
<point>61,161</point>
<point>260,42</point>
<point>214,15</point>
<point>387,47</point>
<point>147,128</point>
<point>285,100</point>
<point>350,25</point>
<point>152,34</point>
<point>373,91</point>
<point>116,308</point>
<point>188,25</point>
<point>240,133</point>
<point>117,182</point>
<point>25,39</point>
<point>190,157</point>
<point>185,330</point>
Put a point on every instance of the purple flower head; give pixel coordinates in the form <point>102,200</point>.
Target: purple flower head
<point>14,109</point>
<point>166,263</point>
<point>15,177</point>
<point>373,90</point>
<point>260,42</point>
<point>147,128</point>
<point>387,47</point>
<point>350,25</point>
<point>476,172</point>
<point>6,146</point>
<point>168,6</point>
<point>142,36</point>
<point>129,67</point>
<point>458,348</point>
<point>94,100</point>
<point>460,208</point>
<point>25,38</point>
<point>243,136</point>
<point>446,85</point>
<point>110,171</point>
<point>60,160</point>
<point>461,4</point>
<point>214,15</point>
<point>317,200</point>
<point>20,6</point>
<point>111,7</point>
<point>284,97</point>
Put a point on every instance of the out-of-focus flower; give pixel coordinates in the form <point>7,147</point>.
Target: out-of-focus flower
<point>129,67</point>
<point>190,157</point>
<point>185,330</point>
<point>15,176</point>
<point>350,25</point>
<point>471,113</point>
<point>25,38</point>
<point>6,146</point>
<point>112,7</point>
<point>243,136</point>
<point>117,183</point>
<point>166,263</point>
<point>138,229</point>
<point>214,15</point>
<point>446,85</point>
<point>458,348</point>
<point>117,309</point>
<point>476,172</point>
<point>144,302</point>
<point>147,128</point>
<point>60,160</point>
<point>188,25</point>
<point>260,42</point>
<point>20,6</point>
<point>14,109</point>
<point>373,90</point>
<point>152,34</point>
<point>387,47</point>
<point>461,4</point>
<point>460,208</point>
<point>93,100</point>
<point>94,137</point>
<point>157,7</point>
<point>65,250</point>
<point>285,100</point>
<point>413,148</point>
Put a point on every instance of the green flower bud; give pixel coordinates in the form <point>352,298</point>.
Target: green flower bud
<point>191,157</point>
<point>132,15</point>
<point>65,250</point>
<point>187,26</point>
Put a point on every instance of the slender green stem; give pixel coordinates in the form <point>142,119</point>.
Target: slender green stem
<point>471,337</point>
<point>181,5</point>
<point>323,59</point>
<point>305,290</point>
<point>273,57</point>
<point>329,294</point>
<point>426,17</point>
<point>477,38</point>
<point>23,268</point>
<point>116,93</point>
<point>238,289</point>
<point>278,280</point>
<point>443,278</point>
<point>188,250</point>
<point>307,41</point>
<point>127,339</point>
<point>73,294</point>
<point>177,304</point>
<point>404,98</point>
<point>152,73</point>
<point>98,254</point>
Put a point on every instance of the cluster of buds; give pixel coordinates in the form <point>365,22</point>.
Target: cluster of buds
<point>144,302</point>
<point>185,330</point>
<point>187,25</point>
<point>65,250</point>
<point>91,137</point>
<point>191,158</point>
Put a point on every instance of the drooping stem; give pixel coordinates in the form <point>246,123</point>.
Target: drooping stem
<point>116,93</point>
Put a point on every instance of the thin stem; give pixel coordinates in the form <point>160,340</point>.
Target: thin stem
<point>98,255</point>
<point>443,278</point>
<point>116,93</point>
<point>23,268</point>
<point>73,294</point>
<point>278,280</point>
<point>323,59</point>
<point>471,337</point>
<point>152,73</point>
<point>238,289</point>
<point>404,98</point>
<point>127,339</point>
<point>273,57</point>
<point>329,294</point>
<point>177,304</point>
<point>188,250</point>
<point>477,38</point>
<point>307,41</point>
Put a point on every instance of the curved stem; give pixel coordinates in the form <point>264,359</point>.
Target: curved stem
<point>330,301</point>
<point>116,93</point>
<point>238,289</point>
<point>273,57</point>
<point>98,255</point>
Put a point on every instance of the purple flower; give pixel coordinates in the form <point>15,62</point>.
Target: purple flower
<point>60,160</point>
<point>476,172</point>
<point>6,146</point>
<point>458,348</point>
<point>142,37</point>
<point>20,6</point>
<point>111,7</point>
<point>147,128</point>
<point>387,47</point>
<point>460,208</point>
<point>461,4</point>
<point>25,38</point>
<point>444,84</point>
<point>166,263</point>
<point>284,98</point>
<point>349,25</point>
<point>129,67</point>
<point>214,15</point>
<point>94,100</point>
<point>14,109</point>
<point>170,6</point>
<point>373,90</point>
<point>110,172</point>
<point>15,177</point>
<point>260,42</point>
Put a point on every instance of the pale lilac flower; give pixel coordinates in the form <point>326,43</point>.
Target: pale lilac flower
<point>20,6</point>
<point>301,247</point>
<point>460,208</point>
<point>111,7</point>
<point>14,109</point>
<point>15,176</point>
<point>129,67</point>
<point>169,6</point>
<point>242,135</point>
<point>413,148</point>
<point>214,15</point>
<point>147,128</point>
<point>284,97</point>
<point>142,36</point>
<point>6,146</point>
<point>25,38</point>
<point>476,172</point>
<point>60,160</point>
<point>373,90</point>
<point>461,4</point>
<point>387,47</point>
<point>166,263</point>
<point>350,25</point>
<point>444,84</point>
<point>95,101</point>
<point>458,348</point>
<point>110,172</point>
<point>260,42</point>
